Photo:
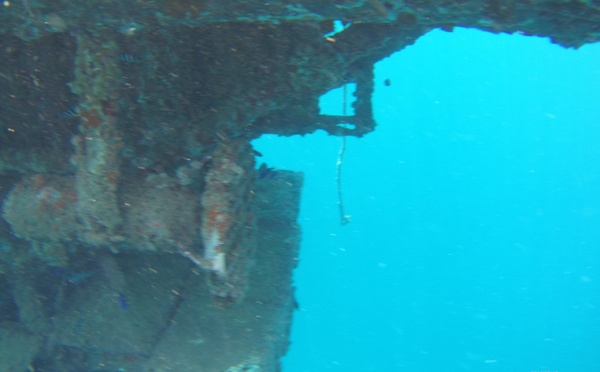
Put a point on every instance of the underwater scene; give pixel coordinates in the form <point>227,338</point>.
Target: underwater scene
<point>251,186</point>
<point>474,240</point>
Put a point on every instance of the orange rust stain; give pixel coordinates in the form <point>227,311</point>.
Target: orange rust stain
<point>218,220</point>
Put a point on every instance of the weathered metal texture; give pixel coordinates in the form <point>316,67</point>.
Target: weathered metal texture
<point>152,86</point>
<point>215,229</point>
<point>570,23</point>
<point>140,310</point>
<point>227,213</point>
<point>228,219</point>
<point>44,210</point>
<point>33,96</point>
<point>236,67</point>
<point>97,146</point>
<point>125,127</point>
<point>41,209</point>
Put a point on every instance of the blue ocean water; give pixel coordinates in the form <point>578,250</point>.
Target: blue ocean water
<point>475,236</point>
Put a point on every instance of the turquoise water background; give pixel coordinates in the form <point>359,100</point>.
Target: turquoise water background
<point>475,236</point>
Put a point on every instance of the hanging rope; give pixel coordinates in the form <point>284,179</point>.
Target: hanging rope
<point>344,218</point>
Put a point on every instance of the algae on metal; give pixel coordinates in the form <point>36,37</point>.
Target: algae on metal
<point>136,233</point>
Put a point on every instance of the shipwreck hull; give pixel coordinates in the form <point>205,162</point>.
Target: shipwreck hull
<point>137,233</point>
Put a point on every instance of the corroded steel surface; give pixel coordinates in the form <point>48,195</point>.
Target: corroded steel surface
<point>570,23</point>
<point>125,131</point>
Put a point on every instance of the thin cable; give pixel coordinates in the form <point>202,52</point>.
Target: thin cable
<point>344,218</point>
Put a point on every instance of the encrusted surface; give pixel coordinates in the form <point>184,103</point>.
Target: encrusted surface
<point>155,311</point>
<point>124,136</point>
<point>570,23</point>
<point>239,68</point>
<point>228,219</point>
